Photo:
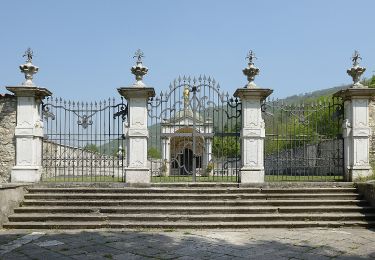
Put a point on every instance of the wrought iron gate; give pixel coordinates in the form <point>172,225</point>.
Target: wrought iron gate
<point>83,141</point>
<point>194,133</point>
<point>304,142</point>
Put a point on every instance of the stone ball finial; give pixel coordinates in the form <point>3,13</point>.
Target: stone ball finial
<point>29,69</point>
<point>251,71</point>
<point>138,69</point>
<point>356,71</point>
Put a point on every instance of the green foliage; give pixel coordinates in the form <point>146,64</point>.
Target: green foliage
<point>295,126</point>
<point>227,146</point>
<point>154,153</point>
<point>370,82</point>
<point>91,148</point>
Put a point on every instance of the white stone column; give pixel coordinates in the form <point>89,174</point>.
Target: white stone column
<point>136,134</point>
<point>166,153</point>
<point>136,130</point>
<point>29,126</point>
<point>356,131</point>
<point>252,134</point>
<point>28,133</point>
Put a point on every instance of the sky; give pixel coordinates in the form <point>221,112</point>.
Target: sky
<point>85,48</point>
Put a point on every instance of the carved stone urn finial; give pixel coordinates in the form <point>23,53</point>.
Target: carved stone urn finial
<point>251,70</point>
<point>356,71</point>
<point>28,68</point>
<point>138,69</point>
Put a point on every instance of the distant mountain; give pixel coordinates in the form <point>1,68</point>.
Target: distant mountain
<point>310,96</point>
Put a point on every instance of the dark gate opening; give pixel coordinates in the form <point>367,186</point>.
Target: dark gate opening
<point>194,131</point>
<point>304,142</point>
<point>83,142</point>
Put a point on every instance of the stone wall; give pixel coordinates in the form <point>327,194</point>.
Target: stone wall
<point>10,197</point>
<point>8,111</point>
<point>367,190</point>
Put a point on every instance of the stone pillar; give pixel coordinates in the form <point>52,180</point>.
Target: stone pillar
<point>252,134</point>
<point>136,130</point>
<point>356,129</point>
<point>166,154</point>
<point>253,130</point>
<point>29,126</point>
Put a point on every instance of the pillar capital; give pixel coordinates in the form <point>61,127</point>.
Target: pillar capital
<point>253,93</point>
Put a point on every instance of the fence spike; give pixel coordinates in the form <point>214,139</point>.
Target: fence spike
<point>179,78</point>
<point>204,77</point>
<point>200,78</point>
<point>213,81</point>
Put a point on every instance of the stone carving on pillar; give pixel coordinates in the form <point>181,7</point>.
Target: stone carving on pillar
<point>253,130</point>
<point>250,71</point>
<point>356,129</point>
<point>138,69</point>
<point>136,128</point>
<point>356,71</point>
<point>29,127</point>
<point>28,68</point>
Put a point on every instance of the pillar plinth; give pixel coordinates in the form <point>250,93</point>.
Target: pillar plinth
<point>28,133</point>
<point>356,131</point>
<point>252,134</point>
<point>136,133</point>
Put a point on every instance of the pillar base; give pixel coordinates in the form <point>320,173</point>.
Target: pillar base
<point>252,175</point>
<point>359,172</point>
<point>136,175</point>
<point>29,174</point>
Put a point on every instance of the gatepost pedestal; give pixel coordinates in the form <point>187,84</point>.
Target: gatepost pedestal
<point>252,134</point>
<point>253,130</point>
<point>356,129</point>
<point>29,126</point>
<point>136,130</point>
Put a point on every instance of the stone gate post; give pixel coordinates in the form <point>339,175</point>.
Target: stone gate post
<point>253,129</point>
<point>356,129</point>
<point>136,130</point>
<point>29,125</point>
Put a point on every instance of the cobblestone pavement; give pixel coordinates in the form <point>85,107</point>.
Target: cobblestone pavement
<point>260,244</point>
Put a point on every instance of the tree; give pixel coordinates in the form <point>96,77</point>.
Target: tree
<point>91,148</point>
<point>153,153</point>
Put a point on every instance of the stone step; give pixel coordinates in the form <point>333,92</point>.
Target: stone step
<point>185,217</point>
<point>114,196</point>
<point>177,203</point>
<point>185,224</point>
<point>192,209</point>
<point>191,190</point>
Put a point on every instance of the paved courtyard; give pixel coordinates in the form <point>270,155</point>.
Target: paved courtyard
<point>321,243</point>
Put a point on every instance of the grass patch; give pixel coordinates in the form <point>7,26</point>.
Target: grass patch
<point>169,230</point>
<point>174,179</point>
<point>109,256</point>
<point>83,179</point>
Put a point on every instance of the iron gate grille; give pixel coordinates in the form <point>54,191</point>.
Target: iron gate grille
<point>304,142</point>
<point>83,141</point>
<point>194,133</point>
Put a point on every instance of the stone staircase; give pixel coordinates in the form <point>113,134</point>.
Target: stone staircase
<point>200,206</point>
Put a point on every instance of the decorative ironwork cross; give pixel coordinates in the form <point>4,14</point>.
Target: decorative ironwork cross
<point>29,54</point>
<point>139,55</point>
<point>251,56</point>
<point>356,56</point>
